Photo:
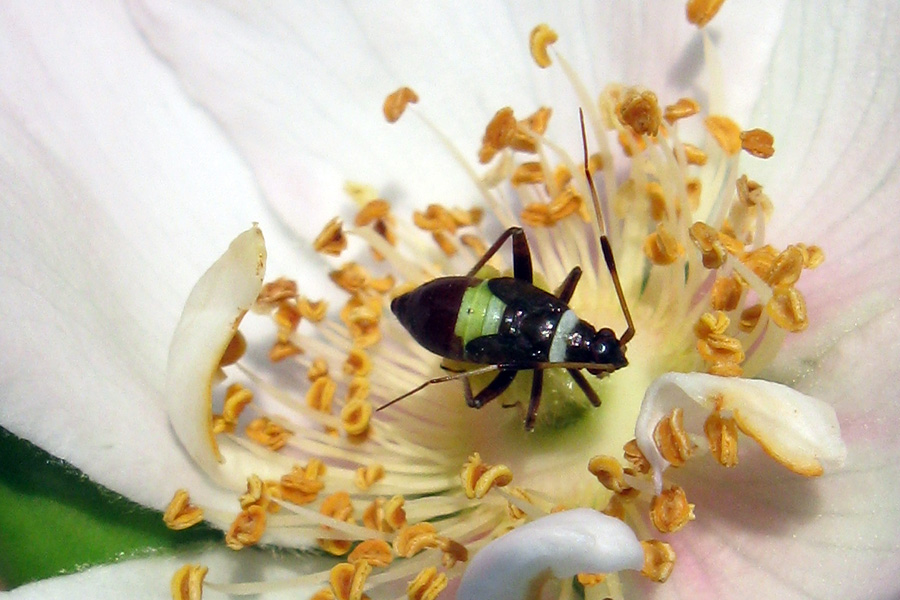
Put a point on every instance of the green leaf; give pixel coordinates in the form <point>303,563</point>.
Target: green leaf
<point>55,520</point>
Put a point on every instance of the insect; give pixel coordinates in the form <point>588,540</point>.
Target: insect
<point>507,324</point>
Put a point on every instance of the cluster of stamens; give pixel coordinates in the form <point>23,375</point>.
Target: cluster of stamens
<point>685,240</point>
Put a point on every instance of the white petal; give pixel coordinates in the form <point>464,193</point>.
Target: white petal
<point>314,81</point>
<point>210,319</point>
<point>575,541</point>
<point>148,578</point>
<point>797,430</point>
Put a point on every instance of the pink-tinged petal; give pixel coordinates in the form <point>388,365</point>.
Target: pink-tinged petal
<point>561,544</point>
<point>763,532</point>
<point>831,100</point>
<point>116,191</point>
<point>149,578</point>
<point>300,88</point>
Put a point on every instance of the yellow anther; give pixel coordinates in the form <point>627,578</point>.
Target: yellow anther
<point>337,506</point>
<point>671,438</point>
<point>300,486</point>
<point>362,315</point>
<point>528,173</point>
<point>786,267</point>
<point>725,294</point>
<point>537,121</point>
<point>386,517</point>
<point>331,240</point>
<point>475,243</point>
<point>283,349</point>
<point>395,104</point>
<point>234,350</point>
<point>348,580</point>
<point>658,203</point>
<point>317,370</point>
<point>478,478</point>
<point>639,111</point>
<point>684,107</point>
<point>631,143</point>
<point>497,134</point>
<point>589,579</point>
<point>313,311</point>
<point>323,594</point>
<point>670,511</point>
<point>368,476</point>
<point>750,317</point>
<point>435,218</point>
<point>257,493</point>
<point>615,507</point>
<point>358,388</point>
<point>701,12</point>
<point>237,397</point>
<point>661,247</point>
<point>427,585</point>
<point>247,528</point>
<point>713,245</point>
<point>350,277</point>
<point>187,582</point>
<point>267,433</point>
<point>356,417</point>
<point>537,214</point>
<point>711,323</point>
<point>412,539</point>
<point>659,559</point>
<point>760,260</point>
<point>181,514</point>
<point>813,256</point>
<point>694,155</point>
<point>382,285</point>
<point>693,188</point>
<point>787,309</point>
<point>634,456</point>
<point>358,363</point>
<point>609,473</point>
<point>454,552</point>
<point>375,552</point>
<point>541,38</point>
<point>275,292</point>
<point>726,132</point>
<point>445,243</point>
<point>758,142</point>
<point>373,210</point>
<point>566,203</point>
<point>721,349</point>
<point>722,434</point>
<point>287,318</point>
<point>321,393</point>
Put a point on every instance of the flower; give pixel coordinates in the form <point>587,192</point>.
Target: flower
<point>126,351</point>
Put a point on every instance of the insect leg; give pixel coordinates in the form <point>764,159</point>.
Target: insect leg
<point>497,386</point>
<point>418,388</point>
<point>567,288</point>
<point>582,382</point>
<point>537,387</point>
<point>521,254</point>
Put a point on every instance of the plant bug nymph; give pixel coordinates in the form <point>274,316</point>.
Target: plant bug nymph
<point>508,325</point>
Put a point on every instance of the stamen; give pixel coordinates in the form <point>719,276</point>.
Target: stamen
<point>639,111</point>
<point>659,559</point>
<point>672,440</point>
<point>478,478</point>
<point>367,476</point>
<point>247,528</point>
<point>395,104</point>
<point>331,240</point>
<point>701,12</point>
<point>375,552</point>
<point>266,432</point>
<point>356,417</point>
<point>721,432</point>
<point>541,38</point>
<point>181,514</point>
<point>683,108</point>
<point>187,582</point>
<point>427,585</point>
<point>609,473</point>
<point>758,142</point>
<point>412,539</point>
<point>670,510</point>
<point>726,133</point>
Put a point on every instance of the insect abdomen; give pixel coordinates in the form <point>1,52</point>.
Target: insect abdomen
<point>429,313</point>
<point>480,313</point>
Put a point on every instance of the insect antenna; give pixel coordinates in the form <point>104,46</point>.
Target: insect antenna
<point>604,241</point>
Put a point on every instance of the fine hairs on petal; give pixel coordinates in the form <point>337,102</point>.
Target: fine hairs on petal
<point>799,431</point>
<point>564,544</point>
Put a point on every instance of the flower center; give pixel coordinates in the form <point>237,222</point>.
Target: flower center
<point>706,293</point>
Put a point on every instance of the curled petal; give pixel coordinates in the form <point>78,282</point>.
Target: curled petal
<point>797,430</point>
<point>211,316</point>
<point>575,541</point>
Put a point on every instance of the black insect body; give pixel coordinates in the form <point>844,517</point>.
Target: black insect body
<point>509,325</point>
